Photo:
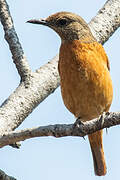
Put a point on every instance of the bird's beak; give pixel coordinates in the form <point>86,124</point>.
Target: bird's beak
<point>38,21</point>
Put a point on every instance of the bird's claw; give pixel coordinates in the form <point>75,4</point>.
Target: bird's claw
<point>78,122</point>
<point>102,119</point>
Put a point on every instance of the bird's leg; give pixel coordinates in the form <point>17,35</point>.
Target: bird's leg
<point>107,113</point>
<point>77,124</point>
<point>101,119</point>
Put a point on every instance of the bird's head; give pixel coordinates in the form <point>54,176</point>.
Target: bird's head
<point>69,26</point>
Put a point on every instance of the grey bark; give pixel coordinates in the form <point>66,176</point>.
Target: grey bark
<point>107,21</point>
<point>28,95</point>
<point>4,176</point>
<point>60,130</point>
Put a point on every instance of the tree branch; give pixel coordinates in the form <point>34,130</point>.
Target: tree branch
<point>13,41</point>
<point>4,176</point>
<point>25,98</point>
<point>61,130</point>
<point>107,21</point>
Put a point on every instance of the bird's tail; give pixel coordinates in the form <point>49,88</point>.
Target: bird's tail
<point>96,144</point>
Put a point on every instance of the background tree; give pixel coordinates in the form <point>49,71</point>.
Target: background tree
<point>35,86</point>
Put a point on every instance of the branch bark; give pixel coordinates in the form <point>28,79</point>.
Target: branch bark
<point>44,81</point>
<point>28,95</point>
<point>61,130</point>
<point>107,21</point>
<point>4,176</point>
<point>13,41</point>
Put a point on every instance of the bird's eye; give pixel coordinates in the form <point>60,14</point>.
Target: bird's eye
<point>62,22</point>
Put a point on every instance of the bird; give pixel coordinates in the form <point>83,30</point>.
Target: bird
<point>85,80</point>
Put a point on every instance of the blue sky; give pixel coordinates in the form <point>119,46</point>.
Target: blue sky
<point>50,158</point>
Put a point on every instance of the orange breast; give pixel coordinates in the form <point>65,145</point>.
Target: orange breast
<point>86,84</point>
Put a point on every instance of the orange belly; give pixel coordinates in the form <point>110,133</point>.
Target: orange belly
<point>86,84</point>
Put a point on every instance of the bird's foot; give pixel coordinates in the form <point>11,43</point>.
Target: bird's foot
<point>77,124</point>
<point>102,117</point>
<point>107,113</point>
